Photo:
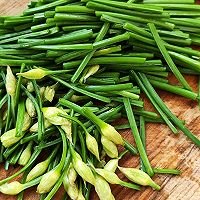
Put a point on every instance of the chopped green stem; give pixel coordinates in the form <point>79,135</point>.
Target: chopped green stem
<point>136,136</point>
<point>166,171</point>
<point>167,57</point>
<point>167,111</point>
<point>95,96</point>
<point>87,58</point>
<point>174,89</point>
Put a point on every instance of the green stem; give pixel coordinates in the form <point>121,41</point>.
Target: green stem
<point>136,136</point>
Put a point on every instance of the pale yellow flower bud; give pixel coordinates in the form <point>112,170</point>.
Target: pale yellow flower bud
<point>30,108</point>
<point>109,131</point>
<point>71,189</point>
<point>30,87</point>
<point>82,169</point>
<point>33,74</point>
<point>51,113</point>
<point>91,71</point>
<point>139,177</point>
<point>68,130</point>
<point>92,145</point>
<point>49,93</point>
<point>12,188</point>
<point>69,183</point>
<point>10,82</point>
<point>48,181</point>
<point>42,89</point>
<point>102,188</point>
<point>26,154</point>
<point>111,165</point>
<point>111,177</point>
<point>80,195</point>
<point>8,138</point>
<point>34,128</point>
<point>38,170</point>
<point>109,147</point>
<point>27,122</point>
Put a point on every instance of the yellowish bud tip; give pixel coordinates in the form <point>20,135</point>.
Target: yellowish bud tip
<point>26,155</point>
<point>92,145</point>
<point>92,70</point>
<point>38,170</point>
<point>110,132</point>
<point>49,93</point>
<point>139,177</point>
<point>82,169</point>
<point>10,82</point>
<point>109,147</point>
<point>102,188</point>
<point>51,114</point>
<point>48,181</point>
<point>111,165</point>
<point>12,188</point>
<point>33,74</point>
<point>8,138</point>
<point>34,128</point>
<point>30,108</point>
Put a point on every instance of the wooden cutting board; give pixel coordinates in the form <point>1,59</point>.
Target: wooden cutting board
<point>164,149</point>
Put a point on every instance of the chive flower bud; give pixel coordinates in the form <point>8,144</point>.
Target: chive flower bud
<point>92,145</point>
<point>26,154</point>
<point>30,86</point>
<point>34,128</point>
<point>12,188</point>
<point>38,170</point>
<point>71,189</point>
<point>27,122</point>
<point>10,82</point>
<point>111,165</point>
<point>106,129</point>
<point>80,195</point>
<point>109,147</point>
<point>42,89</point>
<point>68,130</point>
<point>139,177</point>
<point>48,181</point>
<point>81,168</point>
<point>69,183</point>
<point>91,71</point>
<point>109,131</point>
<point>51,113</point>
<point>49,93</point>
<point>9,138</point>
<point>34,74</point>
<point>30,108</point>
<point>102,188</point>
<point>111,177</point>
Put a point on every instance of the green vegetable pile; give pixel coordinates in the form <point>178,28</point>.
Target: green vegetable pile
<point>69,68</point>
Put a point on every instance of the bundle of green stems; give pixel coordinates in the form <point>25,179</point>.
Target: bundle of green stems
<point>70,69</point>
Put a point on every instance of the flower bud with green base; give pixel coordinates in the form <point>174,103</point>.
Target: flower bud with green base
<point>26,154</point>
<point>81,168</point>
<point>106,130</point>
<point>11,82</point>
<point>102,188</point>
<point>30,108</point>
<point>139,177</point>
<point>109,147</point>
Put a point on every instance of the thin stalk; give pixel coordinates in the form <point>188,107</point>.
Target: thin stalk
<point>136,136</point>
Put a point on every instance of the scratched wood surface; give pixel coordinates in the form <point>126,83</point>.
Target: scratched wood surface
<point>164,149</point>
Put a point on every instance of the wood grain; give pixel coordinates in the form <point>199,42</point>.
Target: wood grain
<point>164,149</point>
